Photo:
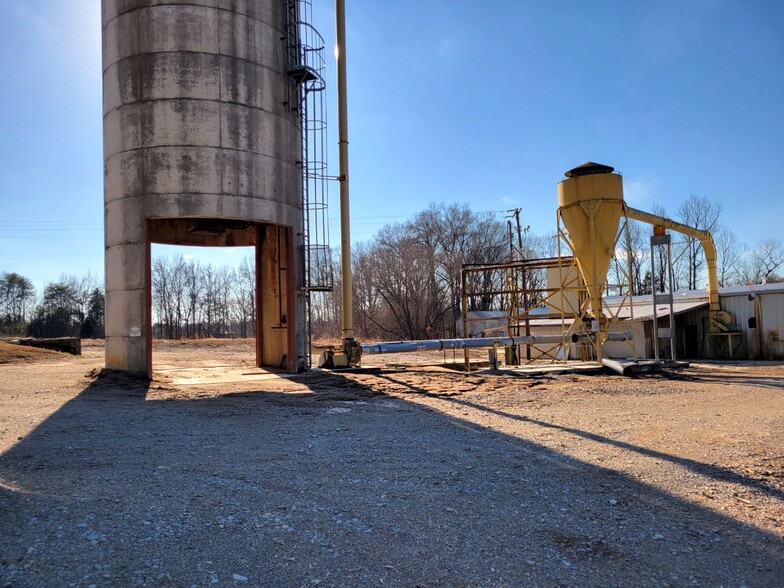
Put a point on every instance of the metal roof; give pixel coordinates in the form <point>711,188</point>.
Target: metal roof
<point>643,309</point>
<point>683,301</point>
<point>775,287</point>
<point>588,168</point>
<point>501,314</point>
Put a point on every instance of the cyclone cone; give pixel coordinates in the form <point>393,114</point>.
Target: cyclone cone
<point>590,204</point>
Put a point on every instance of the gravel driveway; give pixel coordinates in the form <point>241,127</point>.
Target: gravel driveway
<point>392,478</point>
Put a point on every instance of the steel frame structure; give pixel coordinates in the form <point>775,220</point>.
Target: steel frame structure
<point>515,291</point>
<point>585,322</point>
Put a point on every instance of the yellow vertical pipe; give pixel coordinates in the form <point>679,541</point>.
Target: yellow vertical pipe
<point>345,226</point>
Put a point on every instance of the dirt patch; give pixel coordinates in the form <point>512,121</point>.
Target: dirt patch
<point>194,346</point>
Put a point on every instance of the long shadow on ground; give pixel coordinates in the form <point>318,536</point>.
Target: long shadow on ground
<point>715,472</point>
<point>337,485</point>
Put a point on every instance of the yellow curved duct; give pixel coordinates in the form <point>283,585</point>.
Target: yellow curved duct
<point>718,321</point>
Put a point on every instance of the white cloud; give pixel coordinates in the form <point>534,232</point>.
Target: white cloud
<point>508,200</point>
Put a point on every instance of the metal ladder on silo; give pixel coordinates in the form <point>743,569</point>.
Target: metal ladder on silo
<point>305,66</point>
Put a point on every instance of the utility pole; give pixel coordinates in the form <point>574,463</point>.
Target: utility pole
<point>515,212</point>
<point>511,242</point>
<point>518,279</point>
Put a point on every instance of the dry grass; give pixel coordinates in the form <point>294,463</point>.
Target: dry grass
<point>13,353</point>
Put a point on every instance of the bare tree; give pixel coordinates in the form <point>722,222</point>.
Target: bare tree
<point>659,276</point>
<point>245,293</point>
<point>224,300</point>
<point>700,213</point>
<point>456,236</point>
<point>730,252</point>
<point>632,258</point>
<point>82,288</point>
<point>194,300</point>
<point>407,284</point>
<point>407,281</point>
<point>763,262</point>
<point>191,293</point>
<point>368,304</point>
<point>208,301</point>
<point>164,294</point>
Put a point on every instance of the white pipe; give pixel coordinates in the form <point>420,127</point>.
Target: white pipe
<point>443,344</point>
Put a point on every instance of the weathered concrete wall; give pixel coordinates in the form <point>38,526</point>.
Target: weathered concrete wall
<point>194,126</point>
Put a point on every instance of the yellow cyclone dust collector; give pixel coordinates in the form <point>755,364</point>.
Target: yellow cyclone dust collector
<point>590,204</point>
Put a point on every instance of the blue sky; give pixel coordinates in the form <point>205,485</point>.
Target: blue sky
<point>448,102</point>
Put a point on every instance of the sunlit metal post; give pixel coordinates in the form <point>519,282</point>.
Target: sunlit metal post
<point>345,228</point>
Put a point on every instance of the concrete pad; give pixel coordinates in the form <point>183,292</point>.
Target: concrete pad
<point>215,373</point>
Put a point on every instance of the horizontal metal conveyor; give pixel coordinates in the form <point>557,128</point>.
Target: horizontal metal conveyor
<point>478,343</point>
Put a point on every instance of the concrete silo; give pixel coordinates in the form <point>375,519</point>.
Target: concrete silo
<point>201,147</point>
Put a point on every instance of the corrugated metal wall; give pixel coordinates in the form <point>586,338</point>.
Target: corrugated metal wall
<point>766,339</point>
<point>639,347</point>
<point>545,351</point>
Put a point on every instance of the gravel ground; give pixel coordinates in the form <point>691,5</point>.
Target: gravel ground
<point>391,477</point>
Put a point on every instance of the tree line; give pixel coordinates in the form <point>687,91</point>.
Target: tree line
<point>72,306</point>
<point>189,300</point>
<point>194,300</point>
<point>406,281</point>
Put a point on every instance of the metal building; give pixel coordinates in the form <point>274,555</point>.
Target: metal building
<point>759,312</point>
<point>203,145</point>
<point>757,333</point>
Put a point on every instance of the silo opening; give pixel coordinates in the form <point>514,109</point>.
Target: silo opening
<point>219,316</point>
